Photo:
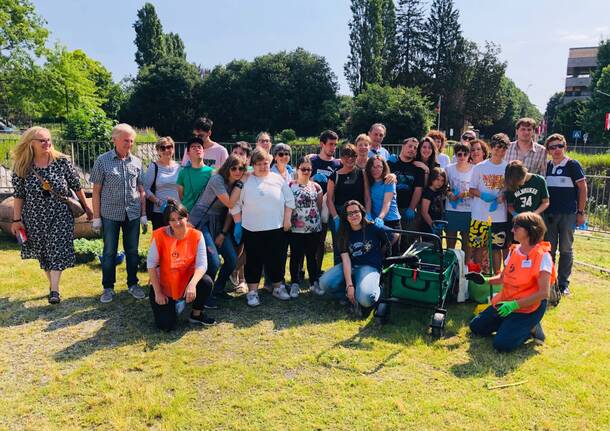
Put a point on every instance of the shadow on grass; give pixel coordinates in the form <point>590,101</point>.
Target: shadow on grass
<point>8,242</point>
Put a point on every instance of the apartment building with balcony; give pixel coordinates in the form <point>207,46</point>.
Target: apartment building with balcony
<point>582,62</point>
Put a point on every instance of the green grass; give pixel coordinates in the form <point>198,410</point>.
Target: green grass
<point>592,163</point>
<point>593,248</point>
<point>304,364</point>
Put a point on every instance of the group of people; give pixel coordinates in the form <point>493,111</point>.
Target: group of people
<point>251,206</point>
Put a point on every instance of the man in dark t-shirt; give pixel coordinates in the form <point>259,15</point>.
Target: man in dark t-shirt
<point>410,183</point>
<point>323,165</point>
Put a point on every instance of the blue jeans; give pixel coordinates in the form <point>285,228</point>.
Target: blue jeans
<point>229,257</point>
<point>131,237</point>
<point>366,281</point>
<point>511,331</point>
<point>560,232</point>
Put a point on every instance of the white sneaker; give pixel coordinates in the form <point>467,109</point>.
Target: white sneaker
<point>280,293</point>
<point>252,298</point>
<point>268,288</point>
<point>317,289</point>
<point>294,290</point>
<point>234,278</point>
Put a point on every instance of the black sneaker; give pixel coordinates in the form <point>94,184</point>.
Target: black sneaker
<point>538,334</point>
<point>211,303</point>
<point>221,294</point>
<point>202,319</point>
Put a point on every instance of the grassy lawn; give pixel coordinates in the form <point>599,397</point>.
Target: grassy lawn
<point>593,248</point>
<point>305,364</point>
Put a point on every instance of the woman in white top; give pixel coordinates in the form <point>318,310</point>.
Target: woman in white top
<point>163,174</point>
<point>457,205</point>
<point>263,214</point>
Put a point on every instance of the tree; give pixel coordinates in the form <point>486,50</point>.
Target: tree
<point>373,49</point>
<point>21,29</point>
<point>163,97</point>
<point>550,114</point>
<point>599,105</point>
<point>22,37</point>
<point>149,36</point>
<point>174,47</point>
<point>292,90</point>
<point>67,82</point>
<point>484,101</point>
<point>404,111</point>
<point>445,56</point>
<point>410,28</point>
<point>571,116</point>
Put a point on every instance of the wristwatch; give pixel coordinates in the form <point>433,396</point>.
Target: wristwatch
<point>239,184</point>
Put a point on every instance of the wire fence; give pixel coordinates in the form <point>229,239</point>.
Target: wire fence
<point>84,153</point>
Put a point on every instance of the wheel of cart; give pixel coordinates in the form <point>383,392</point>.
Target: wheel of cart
<point>422,277</point>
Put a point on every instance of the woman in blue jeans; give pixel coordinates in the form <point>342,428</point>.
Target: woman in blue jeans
<point>362,246</point>
<point>209,215</point>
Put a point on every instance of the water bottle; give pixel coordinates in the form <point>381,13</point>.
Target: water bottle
<point>180,306</point>
<point>21,236</point>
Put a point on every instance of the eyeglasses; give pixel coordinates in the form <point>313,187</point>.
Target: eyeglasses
<point>305,169</point>
<point>42,141</point>
<point>264,140</point>
<point>353,213</point>
<point>554,147</point>
<point>282,154</point>
<point>468,138</point>
<point>165,147</point>
<point>461,154</point>
<point>348,156</point>
<point>238,168</point>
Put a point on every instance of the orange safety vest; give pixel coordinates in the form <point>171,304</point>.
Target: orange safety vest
<point>176,260</point>
<point>521,281</point>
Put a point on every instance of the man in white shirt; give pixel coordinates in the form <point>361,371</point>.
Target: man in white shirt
<point>377,132</point>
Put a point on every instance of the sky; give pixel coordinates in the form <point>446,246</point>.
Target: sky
<point>534,35</point>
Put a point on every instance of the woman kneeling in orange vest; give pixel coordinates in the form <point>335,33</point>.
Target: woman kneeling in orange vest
<point>176,265</point>
<point>516,311</point>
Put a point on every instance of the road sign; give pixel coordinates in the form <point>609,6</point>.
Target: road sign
<point>576,134</point>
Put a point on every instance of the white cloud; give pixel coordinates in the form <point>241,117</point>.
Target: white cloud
<point>578,37</point>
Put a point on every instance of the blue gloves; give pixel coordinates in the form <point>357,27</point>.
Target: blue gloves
<point>488,197</point>
<point>237,232</point>
<point>409,214</point>
<point>437,229</point>
<point>493,206</point>
<point>337,222</point>
<point>319,178</point>
<point>454,204</point>
<point>379,223</point>
<point>393,158</point>
<point>369,217</point>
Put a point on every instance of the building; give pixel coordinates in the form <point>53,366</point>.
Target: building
<point>582,62</point>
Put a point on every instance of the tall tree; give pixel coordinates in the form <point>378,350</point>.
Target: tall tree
<point>372,43</point>
<point>174,47</point>
<point>149,36</point>
<point>484,101</point>
<point>550,114</point>
<point>445,55</point>
<point>410,41</point>
<point>389,54</point>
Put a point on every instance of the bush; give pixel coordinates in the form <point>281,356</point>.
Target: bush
<point>404,111</point>
<point>286,136</point>
<point>88,124</point>
<point>86,250</point>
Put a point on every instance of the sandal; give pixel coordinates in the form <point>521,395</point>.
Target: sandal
<point>54,297</point>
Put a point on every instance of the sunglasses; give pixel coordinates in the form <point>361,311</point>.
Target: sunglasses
<point>348,156</point>
<point>305,169</point>
<point>353,213</point>
<point>165,147</point>
<point>282,154</point>
<point>468,138</point>
<point>42,141</point>
<point>238,168</point>
<point>461,154</point>
<point>554,147</point>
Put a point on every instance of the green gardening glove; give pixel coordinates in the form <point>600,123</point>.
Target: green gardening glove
<point>507,307</point>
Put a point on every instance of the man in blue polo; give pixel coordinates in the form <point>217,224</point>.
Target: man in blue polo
<point>568,197</point>
<point>377,132</point>
<point>119,203</point>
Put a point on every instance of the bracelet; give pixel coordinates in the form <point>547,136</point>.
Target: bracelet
<point>16,220</point>
<point>239,184</point>
<point>350,285</point>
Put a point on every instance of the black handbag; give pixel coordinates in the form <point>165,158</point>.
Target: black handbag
<point>72,201</point>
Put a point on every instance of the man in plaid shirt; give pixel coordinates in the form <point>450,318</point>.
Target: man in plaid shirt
<point>119,203</point>
<point>532,154</point>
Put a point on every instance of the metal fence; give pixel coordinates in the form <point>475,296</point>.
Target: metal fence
<point>83,155</point>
